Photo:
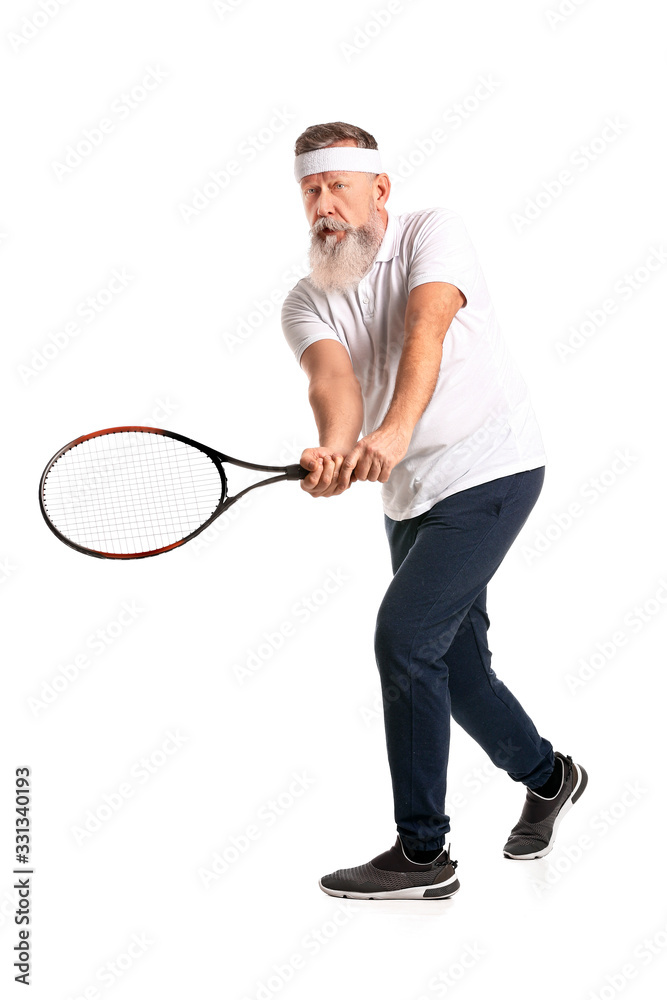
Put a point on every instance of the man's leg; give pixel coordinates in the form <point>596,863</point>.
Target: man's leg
<point>442,562</point>
<point>487,710</point>
<point>484,707</point>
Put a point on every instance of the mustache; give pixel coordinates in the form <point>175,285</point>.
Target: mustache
<point>332,224</point>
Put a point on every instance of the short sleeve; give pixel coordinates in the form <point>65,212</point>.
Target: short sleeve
<point>442,251</point>
<point>302,324</point>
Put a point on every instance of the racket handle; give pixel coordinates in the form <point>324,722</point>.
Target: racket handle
<point>295,472</point>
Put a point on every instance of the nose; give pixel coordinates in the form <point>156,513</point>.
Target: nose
<point>325,206</point>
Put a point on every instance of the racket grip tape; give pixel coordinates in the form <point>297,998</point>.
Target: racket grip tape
<point>296,472</point>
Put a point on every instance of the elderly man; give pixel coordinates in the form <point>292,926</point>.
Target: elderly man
<point>396,332</point>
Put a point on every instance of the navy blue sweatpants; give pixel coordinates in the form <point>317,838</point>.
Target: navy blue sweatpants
<point>433,657</point>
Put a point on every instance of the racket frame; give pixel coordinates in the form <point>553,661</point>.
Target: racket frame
<point>295,471</point>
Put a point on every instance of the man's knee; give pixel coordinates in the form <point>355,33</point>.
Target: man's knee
<point>390,629</point>
<point>393,688</point>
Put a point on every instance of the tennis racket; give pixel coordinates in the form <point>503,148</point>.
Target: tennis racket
<point>131,492</point>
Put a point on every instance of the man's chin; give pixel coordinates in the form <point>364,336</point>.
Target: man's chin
<point>332,282</point>
<point>337,234</point>
<point>338,265</point>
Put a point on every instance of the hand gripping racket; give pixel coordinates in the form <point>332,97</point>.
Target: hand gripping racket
<point>130,492</point>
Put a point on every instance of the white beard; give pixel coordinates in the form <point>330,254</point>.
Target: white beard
<point>337,265</point>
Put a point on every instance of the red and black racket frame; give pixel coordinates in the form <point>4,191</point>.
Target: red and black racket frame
<point>286,472</point>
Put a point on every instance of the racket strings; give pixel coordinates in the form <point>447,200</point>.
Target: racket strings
<point>131,492</point>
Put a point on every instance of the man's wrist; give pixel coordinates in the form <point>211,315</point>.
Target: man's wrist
<point>398,426</point>
<point>338,447</point>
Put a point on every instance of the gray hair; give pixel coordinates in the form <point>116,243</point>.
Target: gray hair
<point>320,136</point>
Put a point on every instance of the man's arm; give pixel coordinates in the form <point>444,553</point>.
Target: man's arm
<point>337,404</point>
<point>428,315</point>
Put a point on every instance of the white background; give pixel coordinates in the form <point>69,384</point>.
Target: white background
<point>163,353</point>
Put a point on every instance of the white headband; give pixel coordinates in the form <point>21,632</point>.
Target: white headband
<point>318,161</point>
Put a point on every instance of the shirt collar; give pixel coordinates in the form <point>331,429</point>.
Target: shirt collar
<point>391,242</point>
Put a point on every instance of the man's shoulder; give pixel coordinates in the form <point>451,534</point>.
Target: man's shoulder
<point>303,292</point>
<point>435,210</point>
<point>415,220</point>
<point>303,297</point>
<point>414,227</point>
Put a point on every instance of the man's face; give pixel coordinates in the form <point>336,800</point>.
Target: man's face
<point>346,213</point>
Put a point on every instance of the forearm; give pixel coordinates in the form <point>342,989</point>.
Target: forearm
<point>416,379</point>
<point>429,312</point>
<point>338,409</point>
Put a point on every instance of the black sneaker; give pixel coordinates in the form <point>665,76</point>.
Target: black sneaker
<point>534,834</point>
<point>393,876</point>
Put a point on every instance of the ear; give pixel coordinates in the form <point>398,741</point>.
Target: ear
<point>381,188</point>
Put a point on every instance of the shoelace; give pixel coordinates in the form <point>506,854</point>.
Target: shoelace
<point>446,861</point>
<point>569,763</point>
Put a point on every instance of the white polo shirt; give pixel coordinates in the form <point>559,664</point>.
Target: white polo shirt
<point>479,424</point>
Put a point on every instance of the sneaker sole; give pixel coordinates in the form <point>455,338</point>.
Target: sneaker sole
<point>442,890</point>
<point>567,805</point>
